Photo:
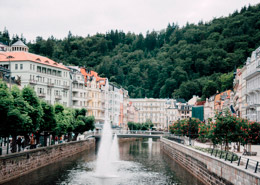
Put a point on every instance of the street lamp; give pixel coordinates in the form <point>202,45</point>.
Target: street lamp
<point>8,57</point>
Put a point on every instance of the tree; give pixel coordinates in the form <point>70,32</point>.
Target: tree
<point>36,114</point>
<point>186,127</point>
<point>19,121</point>
<point>225,129</point>
<point>61,120</point>
<point>48,123</point>
<point>209,89</point>
<point>82,123</point>
<point>6,102</point>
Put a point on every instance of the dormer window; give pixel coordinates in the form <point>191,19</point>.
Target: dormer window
<point>55,63</point>
<point>47,61</point>
<point>38,59</point>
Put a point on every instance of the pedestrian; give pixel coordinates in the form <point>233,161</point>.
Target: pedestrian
<point>32,142</point>
<point>19,143</point>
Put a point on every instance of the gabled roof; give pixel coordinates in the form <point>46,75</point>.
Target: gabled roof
<point>25,56</point>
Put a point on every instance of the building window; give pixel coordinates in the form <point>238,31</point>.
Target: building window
<point>21,66</point>
<point>30,66</point>
<point>16,66</point>
<point>39,69</point>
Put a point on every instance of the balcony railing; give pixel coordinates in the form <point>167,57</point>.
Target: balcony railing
<point>66,87</point>
<point>50,84</point>
<point>33,82</point>
<point>253,72</point>
<point>58,97</point>
<point>42,95</point>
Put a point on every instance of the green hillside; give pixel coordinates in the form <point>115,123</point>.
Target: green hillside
<point>174,62</point>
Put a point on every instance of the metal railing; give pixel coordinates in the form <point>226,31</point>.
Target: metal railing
<point>225,155</point>
<point>240,160</point>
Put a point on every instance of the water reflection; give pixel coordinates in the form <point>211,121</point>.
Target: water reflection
<point>141,162</point>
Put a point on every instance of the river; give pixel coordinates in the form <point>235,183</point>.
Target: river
<point>141,162</point>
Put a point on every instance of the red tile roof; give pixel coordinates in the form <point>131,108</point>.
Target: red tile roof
<point>25,56</point>
<point>91,74</point>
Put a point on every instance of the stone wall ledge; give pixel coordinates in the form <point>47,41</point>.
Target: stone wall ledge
<point>18,164</point>
<point>22,153</point>
<point>223,171</point>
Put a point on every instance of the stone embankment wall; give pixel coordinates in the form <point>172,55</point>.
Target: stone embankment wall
<point>206,168</point>
<point>17,164</point>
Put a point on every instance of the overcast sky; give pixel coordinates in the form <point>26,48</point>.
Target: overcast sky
<point>82,17</point>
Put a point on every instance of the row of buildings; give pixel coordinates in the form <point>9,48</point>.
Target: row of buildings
<point>244,99</point>
<point>78,87</point>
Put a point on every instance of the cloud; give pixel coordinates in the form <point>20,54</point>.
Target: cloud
<point>82,17</point>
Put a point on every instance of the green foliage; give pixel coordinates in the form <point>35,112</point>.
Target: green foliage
<point>83,123</point>
<point>6,102</point>
<point>140,126</point>
<point>186,127</point>
<point>62,119</point>
<point>48,119</point>
<point>36,113</point>
<point>253,133</point>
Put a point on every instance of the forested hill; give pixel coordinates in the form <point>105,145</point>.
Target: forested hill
<point>175,62</point>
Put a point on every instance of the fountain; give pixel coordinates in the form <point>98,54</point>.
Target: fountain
<point>114,154</point>
<point>107,154</point>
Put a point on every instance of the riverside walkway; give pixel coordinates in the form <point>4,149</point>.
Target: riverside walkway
<point>250,163</point>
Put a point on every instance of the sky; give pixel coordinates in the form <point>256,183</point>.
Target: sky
<point>44,18</point>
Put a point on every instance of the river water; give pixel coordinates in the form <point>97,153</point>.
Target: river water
<point>141,162</point>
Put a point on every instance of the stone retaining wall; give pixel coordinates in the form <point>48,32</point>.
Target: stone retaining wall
<point>17,164</point>
<point>206,168</point>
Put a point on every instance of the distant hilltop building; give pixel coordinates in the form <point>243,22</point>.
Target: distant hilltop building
<point>17,46</point>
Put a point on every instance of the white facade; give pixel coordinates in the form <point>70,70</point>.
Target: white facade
<point>50,80</point>
<point>78,90</point>
<point>209,111</point>
<point>239,88</point>
<point>159,111</point>
<point>253,86</point>
<point>115,99</point>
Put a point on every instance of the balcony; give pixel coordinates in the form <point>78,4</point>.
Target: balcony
<point>50,84</point>
<point>252,105</point>
<point>58,97</point>
<point>33,82</point>
<point>42,95</point>
<point>252,73</point>
<point>66,87</point>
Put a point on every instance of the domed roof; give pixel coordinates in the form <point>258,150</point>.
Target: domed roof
<point>19,43</point>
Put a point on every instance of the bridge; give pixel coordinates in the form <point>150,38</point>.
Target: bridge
<point>129,134</point>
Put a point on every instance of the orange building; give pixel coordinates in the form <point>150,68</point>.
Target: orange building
<point>219,103</point>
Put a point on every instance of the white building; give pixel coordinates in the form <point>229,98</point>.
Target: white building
<point>50,80</point>
<point>161,112</point>
<point>78,89</point>
<point>253,86</point>
<point>239,88</point>
<point>115,99</point>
